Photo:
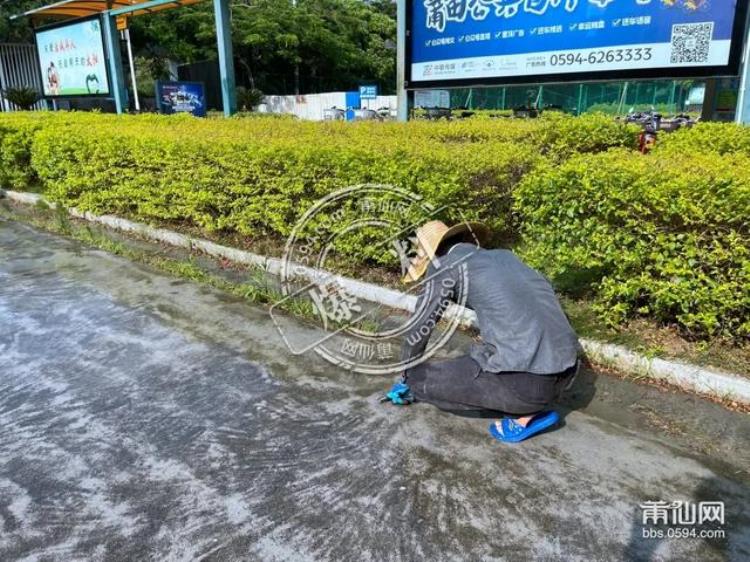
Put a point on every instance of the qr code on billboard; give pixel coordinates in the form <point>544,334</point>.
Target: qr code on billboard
<point>691,42</point>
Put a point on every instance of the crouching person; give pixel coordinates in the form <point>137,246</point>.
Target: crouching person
<point>528,352</point>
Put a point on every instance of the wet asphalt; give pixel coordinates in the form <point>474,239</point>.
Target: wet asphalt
<point>143,417</point>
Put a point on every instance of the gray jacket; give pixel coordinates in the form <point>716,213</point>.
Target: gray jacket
<point>521,323</point>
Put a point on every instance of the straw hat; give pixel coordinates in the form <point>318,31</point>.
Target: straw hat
<point>432,234</point>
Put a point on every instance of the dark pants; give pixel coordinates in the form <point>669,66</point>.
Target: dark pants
<point>461,386</point>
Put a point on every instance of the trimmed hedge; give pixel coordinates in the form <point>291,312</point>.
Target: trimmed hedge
<point>720,138</point>
<point>663,236</point>
<point>16,136</point>
<point>257,176</point>
<point>650,236</point>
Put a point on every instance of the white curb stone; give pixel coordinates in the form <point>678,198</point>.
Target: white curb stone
<point>683,375</point>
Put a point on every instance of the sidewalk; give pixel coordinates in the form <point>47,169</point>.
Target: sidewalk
<point>144,416</point>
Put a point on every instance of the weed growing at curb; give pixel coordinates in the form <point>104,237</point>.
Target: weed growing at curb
<point>257,290</point>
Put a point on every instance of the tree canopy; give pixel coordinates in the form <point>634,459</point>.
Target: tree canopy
<point>333,44</point>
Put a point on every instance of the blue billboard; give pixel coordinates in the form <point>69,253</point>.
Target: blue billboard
<point>456,42</point>
<point>181,97</point>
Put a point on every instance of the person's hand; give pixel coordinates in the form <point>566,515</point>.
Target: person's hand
<point>399,394</point>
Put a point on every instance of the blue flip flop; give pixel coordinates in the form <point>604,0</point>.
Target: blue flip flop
<point>513,432</point>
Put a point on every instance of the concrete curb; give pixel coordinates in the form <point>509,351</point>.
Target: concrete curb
<point>683,375</point>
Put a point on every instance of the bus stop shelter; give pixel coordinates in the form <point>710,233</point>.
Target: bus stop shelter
<point>114,15</point>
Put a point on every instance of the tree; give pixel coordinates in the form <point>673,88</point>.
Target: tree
<point>16,30</point>
<point>336,44</point>
<point>147,72</point>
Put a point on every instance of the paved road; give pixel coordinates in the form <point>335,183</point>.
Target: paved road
<point>142,417</point>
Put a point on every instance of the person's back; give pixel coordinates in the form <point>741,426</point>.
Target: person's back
<point>522,325</point>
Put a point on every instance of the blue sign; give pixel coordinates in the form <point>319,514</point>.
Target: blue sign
<point>514,40</point>
<point>181,97</point>
<point>368,92</point>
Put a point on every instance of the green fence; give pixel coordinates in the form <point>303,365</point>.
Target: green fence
<point>616,98</point>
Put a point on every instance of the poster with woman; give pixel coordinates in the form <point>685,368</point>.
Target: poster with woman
<point>71,59</point>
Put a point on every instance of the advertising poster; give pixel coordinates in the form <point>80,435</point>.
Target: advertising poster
<point>181,97</point>
<point>453,40</point>
<point>72,61</point>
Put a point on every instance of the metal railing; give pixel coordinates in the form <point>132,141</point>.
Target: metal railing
<point>18,68</point>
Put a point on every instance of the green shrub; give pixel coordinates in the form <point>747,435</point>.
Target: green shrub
<point>663,235</point>
<point>248,98</point>
<point>722,138</point>
<point>23,97</point>
<point>16,135</point>
<point>260,185</point>
<point>650,236</point>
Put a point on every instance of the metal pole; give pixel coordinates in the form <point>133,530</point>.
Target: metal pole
<point>402,99</point>
<point>132,70</point>
<point>226,58</point>
<point>672,95</point>
<point>580,99</point>
<point>709,100</point>
<point>586,97</point>
<point>115,62</point>
<point>3,80</point>
<point>622,98</point>
<point>742,115</point>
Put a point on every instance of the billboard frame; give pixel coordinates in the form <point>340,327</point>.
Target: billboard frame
<point>105,50</point>
<point>731,69</point>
